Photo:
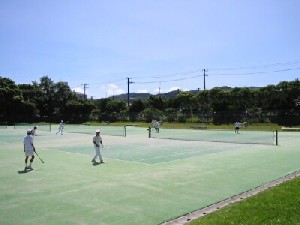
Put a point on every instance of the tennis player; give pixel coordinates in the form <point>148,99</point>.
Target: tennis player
<point>29,149</point>
<point>61,127</point>
<point>33,131</point>
<point>155,125</point>
<point>97,140</point>
<point>237,127</point>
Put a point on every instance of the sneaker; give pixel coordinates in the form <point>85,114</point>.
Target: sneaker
<point>93,161</point>
<point>102,161</point>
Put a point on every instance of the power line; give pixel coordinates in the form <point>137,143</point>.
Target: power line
<point>254,73</point>
<point>261,66</point>
<point>252,70</point>
<point>164,77</point>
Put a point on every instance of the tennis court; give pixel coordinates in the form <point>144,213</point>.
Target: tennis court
<point>143,180</point>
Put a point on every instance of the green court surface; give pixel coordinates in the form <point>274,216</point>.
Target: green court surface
<point>143,180</point>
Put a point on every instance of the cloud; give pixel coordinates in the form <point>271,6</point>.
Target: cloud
<point>78,90</point>
<point>112,89</point>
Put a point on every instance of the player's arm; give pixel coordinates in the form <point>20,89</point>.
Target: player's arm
<point>33,147</point>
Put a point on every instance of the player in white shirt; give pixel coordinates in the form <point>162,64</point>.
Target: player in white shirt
<point>33,131</point>
<point>97,140</point>
<point>237,127</point>
<point>61,128</point>
<point>155,125</point>
<point>29,149</point>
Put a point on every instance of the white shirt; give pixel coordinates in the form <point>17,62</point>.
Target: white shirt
<point>97,140</point>
<point>33,132</point>
<point>28,142</point>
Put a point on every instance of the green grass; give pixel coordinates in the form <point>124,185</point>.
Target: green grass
<point>277,206</point>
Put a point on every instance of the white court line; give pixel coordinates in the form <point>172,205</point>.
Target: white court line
<point>169,156</point>
<point>78,153</point>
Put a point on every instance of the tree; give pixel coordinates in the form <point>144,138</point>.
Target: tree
<point>137,106</point>
<point>13,107</point>
<point>156,102</point>
<point>62,95</point>
<point>150,114</point>
<point>78,110</point>
<point>115,106</point>
<point>202,100</point>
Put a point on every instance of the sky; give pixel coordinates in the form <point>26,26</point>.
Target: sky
<point>156,45</point>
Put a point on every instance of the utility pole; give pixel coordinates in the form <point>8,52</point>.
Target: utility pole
<point>204,75</point>
<point>128,82</point>
<point>159,88</point>
<point>84,88</point>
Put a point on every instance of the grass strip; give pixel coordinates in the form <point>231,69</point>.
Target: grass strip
<point>277,206</point>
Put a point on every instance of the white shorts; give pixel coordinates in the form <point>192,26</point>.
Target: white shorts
<point>29,153</point>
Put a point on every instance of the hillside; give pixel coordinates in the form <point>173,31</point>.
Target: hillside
<point>169,95</point>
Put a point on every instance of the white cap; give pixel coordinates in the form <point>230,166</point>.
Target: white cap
<point>97,131</point>
<point>28,131</point>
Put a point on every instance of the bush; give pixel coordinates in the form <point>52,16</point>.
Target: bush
<point>151,114</point>
<point>181,119</point>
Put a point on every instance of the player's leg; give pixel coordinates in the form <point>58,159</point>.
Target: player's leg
<point>94,159</point>
<point>26,159</point>
<point>100,156</point>
<point>31,161</point>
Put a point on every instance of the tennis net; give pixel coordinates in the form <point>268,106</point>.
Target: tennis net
<point>26,126</point>
<point>90,129</point>
<point>245,137</point>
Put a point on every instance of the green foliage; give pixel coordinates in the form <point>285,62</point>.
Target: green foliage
<point>150,114</point>
<point>156,102</point>
<point>137,106</point>
<point>81,108</point>
<point>181,119</point>
<point>54,101</point>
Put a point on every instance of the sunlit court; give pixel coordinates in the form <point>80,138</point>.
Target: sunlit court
<point>143,180</point>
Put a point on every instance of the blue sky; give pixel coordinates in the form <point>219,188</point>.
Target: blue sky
<point>161,45</point>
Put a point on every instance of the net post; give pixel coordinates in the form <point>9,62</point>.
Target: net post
<point>50,127</point>
<point>149,132</point>
<point>125,131</point>
<point>276,133</point>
